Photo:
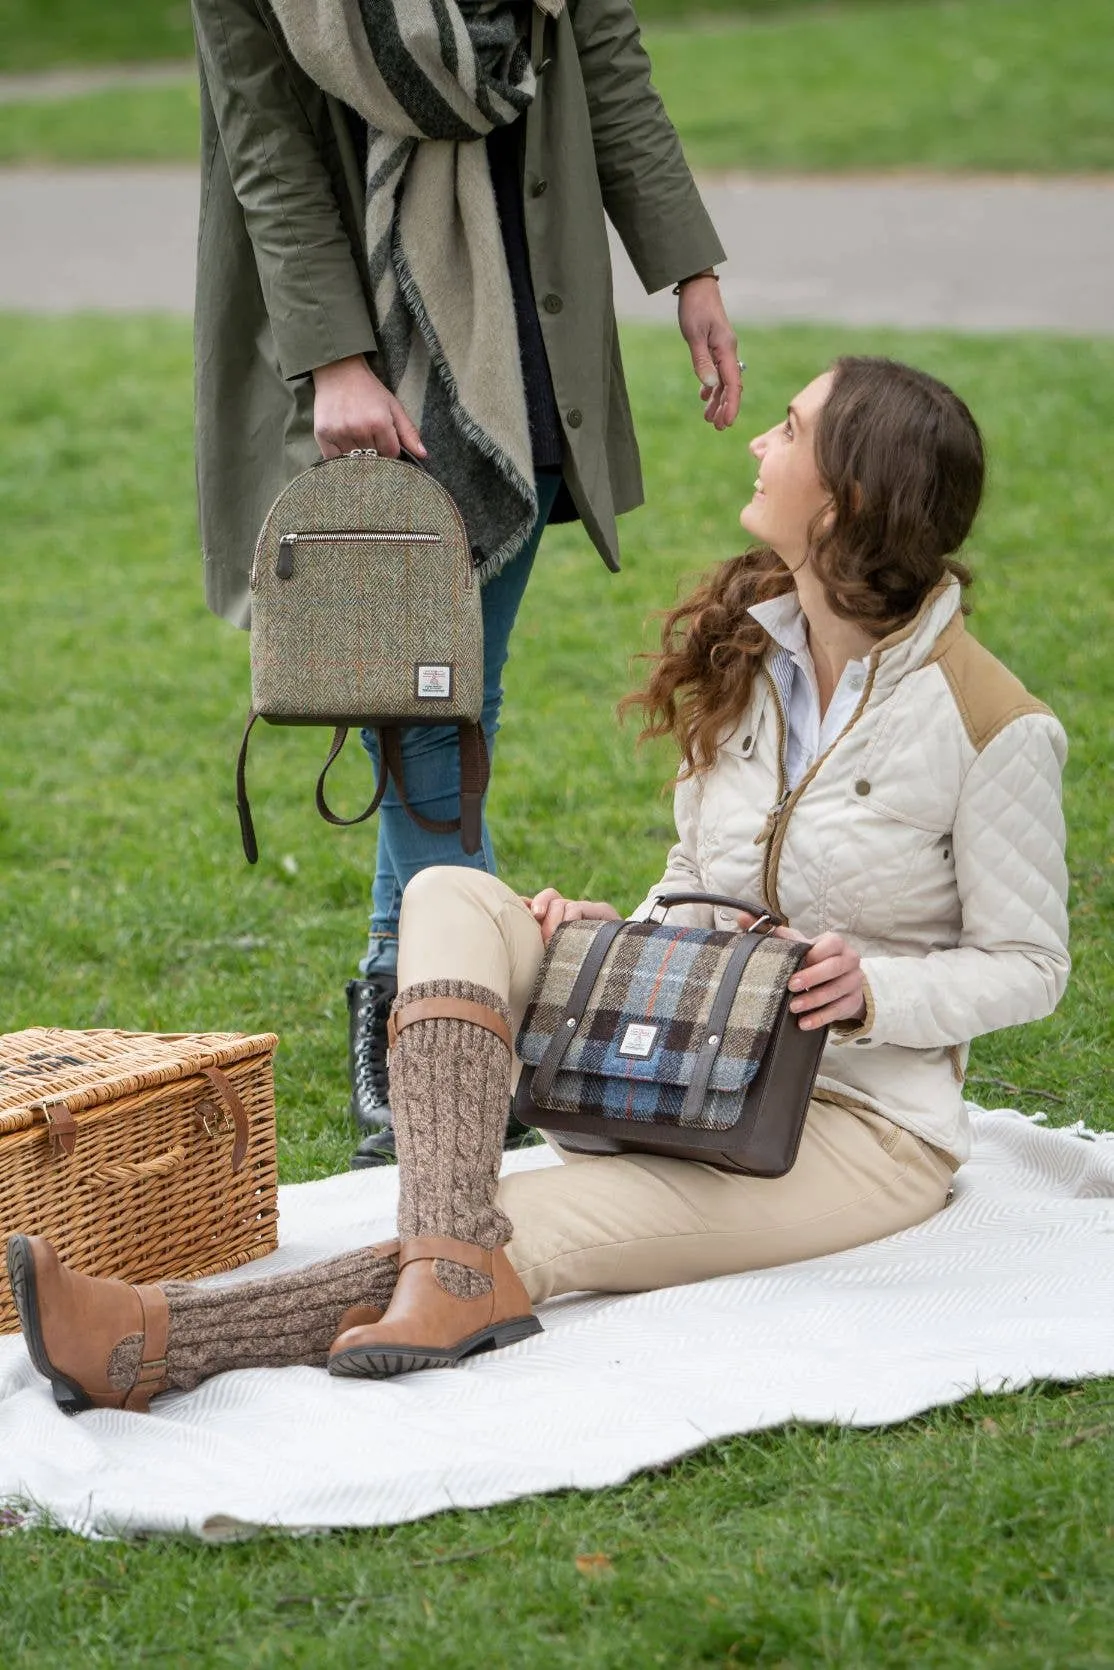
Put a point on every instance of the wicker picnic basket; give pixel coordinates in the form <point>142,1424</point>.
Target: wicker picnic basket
<point>141,1155</point>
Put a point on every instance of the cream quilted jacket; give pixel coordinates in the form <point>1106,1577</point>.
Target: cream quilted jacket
<point>930,835</point>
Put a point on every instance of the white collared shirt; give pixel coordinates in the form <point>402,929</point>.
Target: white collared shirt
<point>809,735</point>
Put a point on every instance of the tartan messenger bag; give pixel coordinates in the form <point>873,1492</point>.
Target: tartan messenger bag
<point>666,1040</point>
<point>366,611</point>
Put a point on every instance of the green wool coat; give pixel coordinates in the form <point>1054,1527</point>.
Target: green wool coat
<point>281,280</point>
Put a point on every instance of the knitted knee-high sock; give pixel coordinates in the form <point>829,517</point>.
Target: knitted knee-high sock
<point>272,1323</point>
<point>450,1089</point>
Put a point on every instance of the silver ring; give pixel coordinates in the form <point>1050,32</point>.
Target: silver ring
<point>742,365</point>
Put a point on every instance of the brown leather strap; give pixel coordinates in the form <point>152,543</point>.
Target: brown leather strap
<point>151,1378</point>
<point>384,1249</point>
<point>62,1127</point>
<point>475,773</point>
<point>247,827</point>
<point>718,1016</point>
<point>447,1008</point>
<point>234,1107</point>
<point>565,1031</point>
<point>761,913</point>
<point>340,736</point>
<point>443,1246</point>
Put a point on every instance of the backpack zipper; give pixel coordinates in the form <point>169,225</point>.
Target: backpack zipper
<point>284,565</point>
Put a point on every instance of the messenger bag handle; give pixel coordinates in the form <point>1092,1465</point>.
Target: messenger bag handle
<point>765,919</point>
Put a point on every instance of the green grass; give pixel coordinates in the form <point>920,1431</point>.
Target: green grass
<point>42,34</point>
<point>981,1536</point>
<point>996,85</point>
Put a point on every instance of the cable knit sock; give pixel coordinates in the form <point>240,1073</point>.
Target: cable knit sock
<point>450,1084</point>
<point>272,1323</point>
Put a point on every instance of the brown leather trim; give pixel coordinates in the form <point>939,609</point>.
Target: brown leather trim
<point>234,1107</point>
<point>151,1378</point>
<point>384,1249</point>
<point>451,1009</point>
<point>62,1127</point>
<point>422,1247</point>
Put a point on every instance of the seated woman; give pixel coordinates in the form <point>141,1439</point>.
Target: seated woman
<point>852,759</point>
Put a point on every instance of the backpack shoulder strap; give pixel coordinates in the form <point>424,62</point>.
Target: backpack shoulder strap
<point>340,737</point>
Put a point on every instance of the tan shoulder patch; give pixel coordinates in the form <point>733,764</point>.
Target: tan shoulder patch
<point>988,695</point>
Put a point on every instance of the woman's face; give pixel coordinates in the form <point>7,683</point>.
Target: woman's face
<point>788,494</point>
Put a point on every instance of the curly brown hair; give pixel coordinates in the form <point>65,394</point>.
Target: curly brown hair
<point>902,459</point>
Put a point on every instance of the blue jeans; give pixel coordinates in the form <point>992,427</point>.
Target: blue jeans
<point>432,763</point>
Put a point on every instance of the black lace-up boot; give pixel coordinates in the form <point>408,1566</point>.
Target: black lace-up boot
<point>369,1005</point>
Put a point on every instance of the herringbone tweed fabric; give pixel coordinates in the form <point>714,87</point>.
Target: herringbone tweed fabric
<point>666,979</point>
<point>430,78</point>
<point>344,636</point>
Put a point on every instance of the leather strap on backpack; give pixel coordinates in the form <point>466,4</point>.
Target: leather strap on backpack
<point>475,771</point>
<point>247,827</point>
<point>340,737</point>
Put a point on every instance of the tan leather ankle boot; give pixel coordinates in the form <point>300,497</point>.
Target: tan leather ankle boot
<point>427,1327</point>
<point>101,1344</point>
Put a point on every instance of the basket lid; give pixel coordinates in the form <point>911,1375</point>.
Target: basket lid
<point>47,1064</point>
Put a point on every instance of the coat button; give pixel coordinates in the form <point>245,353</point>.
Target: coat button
<point>552,303</point>
<point>748,744</point>
<point>539,188</point>
<point>862,786</point>
<point>574,418</point>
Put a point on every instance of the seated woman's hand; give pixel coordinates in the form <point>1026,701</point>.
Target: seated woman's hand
<point>828,985</point>
<point>549,909</point>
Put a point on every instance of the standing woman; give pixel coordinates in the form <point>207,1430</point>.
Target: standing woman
<point>403,245</point>
<point>851,758</point>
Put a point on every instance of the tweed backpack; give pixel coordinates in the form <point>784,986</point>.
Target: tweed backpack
<point>366,611</point>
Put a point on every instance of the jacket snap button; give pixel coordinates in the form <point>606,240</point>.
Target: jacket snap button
<point>862,786</point>
<point>539,188</point>
<point>575,418</point>
<point>748,744</point>
<point>552,303</point>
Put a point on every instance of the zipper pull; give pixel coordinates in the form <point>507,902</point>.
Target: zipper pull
<point>771,823</point>
<point>284,566</point>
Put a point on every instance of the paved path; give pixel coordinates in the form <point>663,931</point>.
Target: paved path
<point>979,254</point>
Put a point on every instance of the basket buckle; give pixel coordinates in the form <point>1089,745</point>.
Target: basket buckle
<point>216,1122</point>
<point>61,1126</point>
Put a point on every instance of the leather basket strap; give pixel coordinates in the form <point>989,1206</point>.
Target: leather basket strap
<point>443,1246</point>
<point>546,1071</point>
<point>340,737</point>
<point>230,1100</point>
<point>447,1008</point>
<point>247,827</point>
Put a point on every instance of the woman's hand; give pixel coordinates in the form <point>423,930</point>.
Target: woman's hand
<point>352,408</point>
<point>829,982</point>
<point>549,909</point>
<point>714,348</point>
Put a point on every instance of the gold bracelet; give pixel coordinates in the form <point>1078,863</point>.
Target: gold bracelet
<point>681,282</point>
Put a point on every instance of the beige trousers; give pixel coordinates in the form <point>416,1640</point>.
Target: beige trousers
<point>643,1221</point>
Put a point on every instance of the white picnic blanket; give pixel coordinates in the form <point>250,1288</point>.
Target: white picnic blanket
<point>1013,1282</point>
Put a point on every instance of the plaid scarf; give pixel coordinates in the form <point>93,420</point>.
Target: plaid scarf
<point>430,78</point>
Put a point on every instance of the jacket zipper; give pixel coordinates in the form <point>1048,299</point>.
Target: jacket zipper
<point>777,819</point>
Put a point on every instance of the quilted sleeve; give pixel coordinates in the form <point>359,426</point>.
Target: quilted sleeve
<point>682,871</point>
<point>1011,964</point>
